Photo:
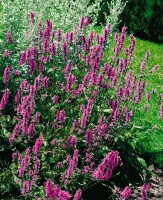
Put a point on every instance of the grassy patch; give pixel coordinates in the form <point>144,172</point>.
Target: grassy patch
<point>153,81</point>
<point>150,140</point>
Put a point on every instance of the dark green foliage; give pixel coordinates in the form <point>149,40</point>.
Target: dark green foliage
<point>150,144</point>
<point>144,18</point>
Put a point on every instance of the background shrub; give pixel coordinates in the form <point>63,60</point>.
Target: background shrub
<point>144,18</point>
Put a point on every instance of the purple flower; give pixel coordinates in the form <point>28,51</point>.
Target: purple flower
<point>86,169</point>
<point>154,69</point>
<point>64,195</point>
<point>24,163</point>
<point>9,37</point>
<point>147,55</point>
<point>32,15</point>
<point>71,80</point>
<point>31,130</point>
<point>128,116</point>
<point>105,169</point>
<point>89,136</point>
<point>30,173</point>
<point>6,75</point>
<point>144,190</point>
<point>46,82</point>
<point>91,36</point>
<point>126,193</point>
<point>72,140</point>
<point>143,66</point>
<point>65,49</point>
<point>49,188</point>
<point>59,34</point>
<point>75,156</point>
<point>53,49</point>
<point>82,22</point>
<point>22,58</point>
<point>4,99</point>
<point>55,99</point>
<point>36,118</point>
<point>17,72</point>
<point>14,155</point>
<point>38,145</point>
<point>148,96</point>
<point>38,82</point>
<point>59,164</point>
<point>32,66</point>
<point>67,69</point>
<point>27,186</point>
<point>78,195</point>
<point>7,53</point>
<point>36,167</point>
<point>75,125</point>
<point>61,116</point>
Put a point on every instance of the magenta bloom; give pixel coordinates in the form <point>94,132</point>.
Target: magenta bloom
<point>36,118</point>
<point>72,140</point>
<point>59,164</point>
<point>17,72</point>
<point>6,75</point>
<point>23,58</point>
<point>46,82</point>
<point>78,195</point>
<point>126,193</point>
<point>38,145</point>
<point>59,34</point>
<point>53,49</point>
<point>7,53</point>
<point>65,50</point>
<point>155,68</point>
<point>89,136</point>
<point>4,99</point>
<point>61,116</point>
<point>145,189</point>
<point>9,38</point>
<point>14,155</point>
<point>32,15</point>
<point>55,99</point>
<point>51,192</point>
<point>63,195</point>
<point>105,169</point>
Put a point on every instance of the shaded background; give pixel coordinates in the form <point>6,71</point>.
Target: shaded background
<point>143,18</point>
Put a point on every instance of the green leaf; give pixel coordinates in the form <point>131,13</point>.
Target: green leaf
<point>50,70</point>
<point>107,110</point>
<point>52,110</point>
<point>142,162</point>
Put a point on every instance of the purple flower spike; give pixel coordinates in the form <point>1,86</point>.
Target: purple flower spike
<point>9,38</point>
<point>144,190</point>
<point>78,195</point>
<point>126,193</point>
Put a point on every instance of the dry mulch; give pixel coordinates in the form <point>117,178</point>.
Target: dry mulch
<point>156,192</point>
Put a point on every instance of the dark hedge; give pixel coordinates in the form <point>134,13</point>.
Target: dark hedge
<point>144,18</point>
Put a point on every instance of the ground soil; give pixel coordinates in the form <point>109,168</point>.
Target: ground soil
<point>98,192</point>
<point>156,192</point>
